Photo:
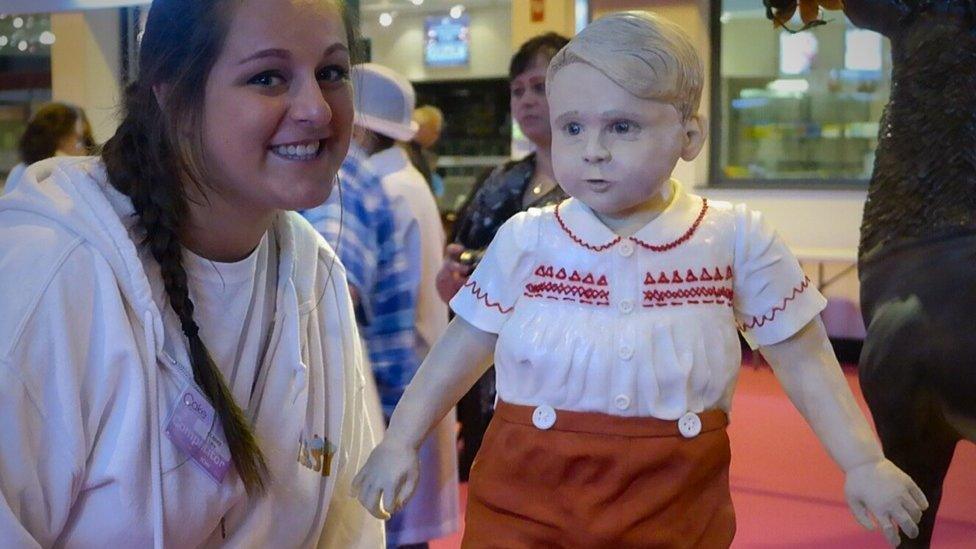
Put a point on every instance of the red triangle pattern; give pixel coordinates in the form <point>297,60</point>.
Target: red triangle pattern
<point>707,275</point>
<point>548,271</point>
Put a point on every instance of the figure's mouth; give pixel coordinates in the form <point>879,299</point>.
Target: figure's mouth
<point>597,184</point>
<point>299,150</point>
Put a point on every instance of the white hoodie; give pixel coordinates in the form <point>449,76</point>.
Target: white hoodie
<point>88,382</point>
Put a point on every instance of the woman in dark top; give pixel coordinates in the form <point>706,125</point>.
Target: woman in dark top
<point>508,189</point>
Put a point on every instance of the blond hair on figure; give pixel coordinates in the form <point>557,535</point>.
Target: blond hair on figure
<point>645,54</point>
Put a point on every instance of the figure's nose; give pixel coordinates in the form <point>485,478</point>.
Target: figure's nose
<point>596,152</point>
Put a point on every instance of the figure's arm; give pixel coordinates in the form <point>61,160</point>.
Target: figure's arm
<point>809,372</point>
<point>881,16</point>
<point>455,362</point>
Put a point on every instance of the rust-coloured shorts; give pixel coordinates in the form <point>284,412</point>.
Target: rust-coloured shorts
<point>594,480</point>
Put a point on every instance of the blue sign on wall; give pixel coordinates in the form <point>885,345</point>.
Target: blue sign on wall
<point>447,41</point>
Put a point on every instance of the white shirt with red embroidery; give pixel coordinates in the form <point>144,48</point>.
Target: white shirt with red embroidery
<point>639,326</point>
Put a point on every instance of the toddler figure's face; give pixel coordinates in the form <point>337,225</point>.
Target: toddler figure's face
<point>611,150</point>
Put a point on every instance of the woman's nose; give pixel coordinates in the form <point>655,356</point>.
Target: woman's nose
<point>310,106</point>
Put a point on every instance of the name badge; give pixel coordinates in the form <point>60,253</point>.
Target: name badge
<point>196,431</point>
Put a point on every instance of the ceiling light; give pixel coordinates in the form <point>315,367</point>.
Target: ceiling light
<point>386,19</point>
<point>456,11</point>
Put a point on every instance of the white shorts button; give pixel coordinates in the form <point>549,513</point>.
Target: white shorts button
<point>544,417</point>
<point>622,402</point>
<point>689,425</point>
<point>626,352</point>
<point>626,249</point>
<point>626,306</point>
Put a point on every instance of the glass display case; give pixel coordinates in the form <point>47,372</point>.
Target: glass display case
<point>795,109</point>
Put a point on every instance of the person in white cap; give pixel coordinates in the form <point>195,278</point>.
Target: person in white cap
<point>384,107</point>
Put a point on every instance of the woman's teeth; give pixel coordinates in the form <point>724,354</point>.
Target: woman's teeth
<point>306,151</point>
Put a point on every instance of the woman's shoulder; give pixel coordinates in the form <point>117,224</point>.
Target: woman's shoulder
<point>315,264</point>
<point>44,267</point>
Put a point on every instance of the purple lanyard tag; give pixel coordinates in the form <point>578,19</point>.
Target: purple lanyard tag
<point>195,430</point>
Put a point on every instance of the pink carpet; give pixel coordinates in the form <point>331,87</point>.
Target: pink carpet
<point>787,491</point>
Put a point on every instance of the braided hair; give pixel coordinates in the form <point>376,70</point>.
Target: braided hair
<point>158,150</point>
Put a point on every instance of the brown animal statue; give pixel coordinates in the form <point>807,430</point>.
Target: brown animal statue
<point>917,259</point>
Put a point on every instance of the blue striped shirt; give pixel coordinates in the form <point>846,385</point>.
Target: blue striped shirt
<point>361,230</point>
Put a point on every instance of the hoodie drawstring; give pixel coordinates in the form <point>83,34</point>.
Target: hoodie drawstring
<point>155,465</point>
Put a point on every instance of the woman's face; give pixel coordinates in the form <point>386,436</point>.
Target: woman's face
<point>278,110</point>
<point>73,144</point>
<point>528,101</point>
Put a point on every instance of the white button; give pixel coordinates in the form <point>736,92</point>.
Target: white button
<point>626,306</point>
<point>626,352</point>
<point>622,402</point>
<point>689,425</point>
<point>626,249</point>
<point>544,417</point>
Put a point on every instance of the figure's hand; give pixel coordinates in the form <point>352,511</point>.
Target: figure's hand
<point>388,479</point>
<point>453,273</point>
<point>879,492</point>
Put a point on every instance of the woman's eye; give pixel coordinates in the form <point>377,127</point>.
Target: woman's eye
<point>267,79</point>
<point>573,128</point>
<point>622,126</point>
<point>334,73</point>
<point>539,88</point>
<point>517,92</point>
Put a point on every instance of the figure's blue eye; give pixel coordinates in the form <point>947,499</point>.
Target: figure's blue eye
<point>622,126</point>
<point>573,128</point>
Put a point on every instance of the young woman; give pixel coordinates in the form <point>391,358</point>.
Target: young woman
<point>178,358</point>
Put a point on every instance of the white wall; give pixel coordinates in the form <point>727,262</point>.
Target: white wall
<point>401,45</point>
<point>85,65</point>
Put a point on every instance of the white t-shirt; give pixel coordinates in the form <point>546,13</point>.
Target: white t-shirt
<point>639,326</point>
<point>234,305</point>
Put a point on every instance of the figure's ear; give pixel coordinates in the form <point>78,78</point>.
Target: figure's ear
<point>695,132</point>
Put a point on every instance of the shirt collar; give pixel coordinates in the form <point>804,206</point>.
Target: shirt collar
<point>389,161</point>
<point>671,228</point>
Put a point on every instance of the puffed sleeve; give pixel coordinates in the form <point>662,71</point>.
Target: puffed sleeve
<point>773,297</point>
<point>490,295</point>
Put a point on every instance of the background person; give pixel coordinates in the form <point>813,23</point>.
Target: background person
<point>506,190</point>
<point>384,104</point>
<point>56,129</point>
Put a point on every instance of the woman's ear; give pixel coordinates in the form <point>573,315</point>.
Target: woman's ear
<point>161,91</point>
<point>696,130</point>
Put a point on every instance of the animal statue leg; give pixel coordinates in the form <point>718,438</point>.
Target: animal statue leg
<point>918,366</point>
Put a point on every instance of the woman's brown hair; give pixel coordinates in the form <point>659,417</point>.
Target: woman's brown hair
<point>156,152</point>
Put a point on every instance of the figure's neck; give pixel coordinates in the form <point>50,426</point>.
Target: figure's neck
<point>627,222</point>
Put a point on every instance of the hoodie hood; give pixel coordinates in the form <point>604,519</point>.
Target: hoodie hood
<point>74,193</point>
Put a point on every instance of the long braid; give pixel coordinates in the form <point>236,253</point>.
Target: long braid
<point>138,161</point>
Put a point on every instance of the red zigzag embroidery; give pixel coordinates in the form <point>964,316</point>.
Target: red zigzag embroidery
<point>483,296</point>
<point>771,315</point>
